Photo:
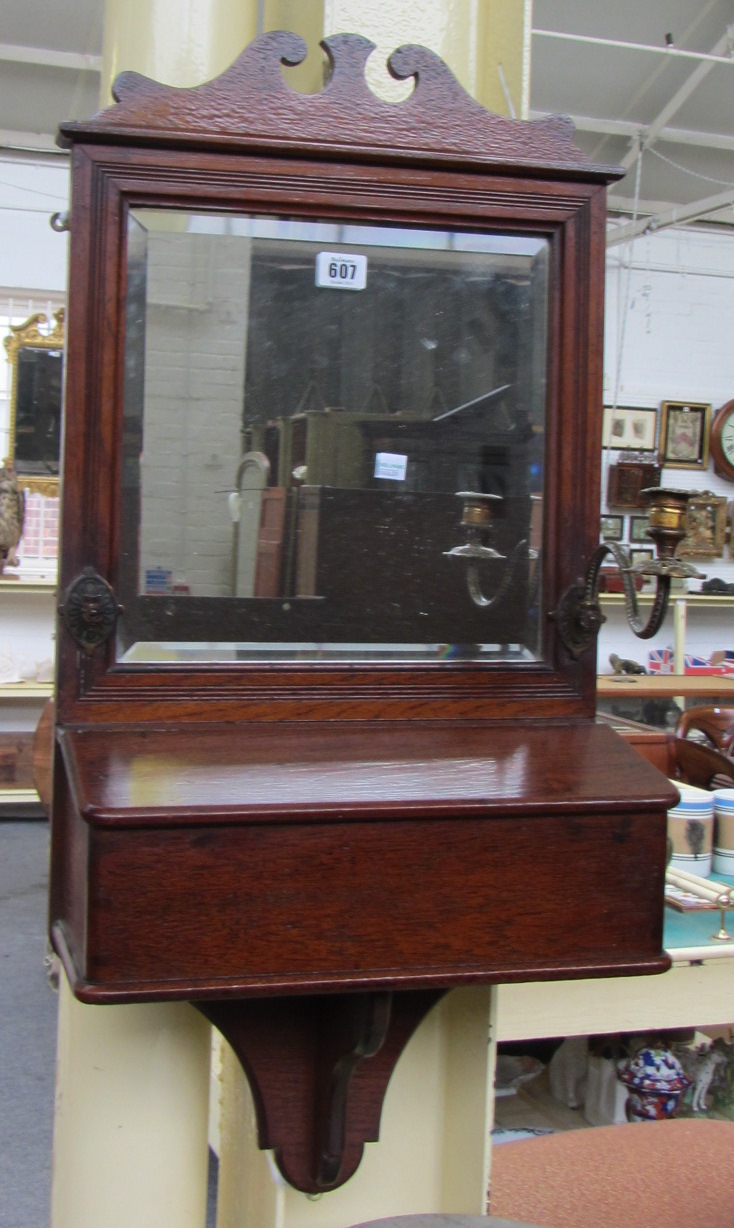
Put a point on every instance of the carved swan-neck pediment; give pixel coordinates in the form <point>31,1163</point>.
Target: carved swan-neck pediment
<point>252,104</point>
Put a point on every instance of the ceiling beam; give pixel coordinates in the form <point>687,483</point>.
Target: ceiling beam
<point>652,131</point>
<point>630,129</point>
<point>714,56</point>
<point>671,217</point>
<point>43,57</point>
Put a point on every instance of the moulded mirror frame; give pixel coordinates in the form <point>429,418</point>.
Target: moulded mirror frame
<point>477,175</point>
<point>37,335</point>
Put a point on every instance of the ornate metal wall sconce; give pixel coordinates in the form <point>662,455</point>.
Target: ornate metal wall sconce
<point>578,613</point>
<point>476,519</point>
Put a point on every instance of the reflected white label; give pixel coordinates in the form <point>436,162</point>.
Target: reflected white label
<point>341,271</point>
<point>391,465</point>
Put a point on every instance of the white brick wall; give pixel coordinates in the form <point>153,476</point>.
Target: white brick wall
<point>194,381</point>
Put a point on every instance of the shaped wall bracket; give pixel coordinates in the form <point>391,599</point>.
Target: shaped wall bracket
<point>318,1068</point>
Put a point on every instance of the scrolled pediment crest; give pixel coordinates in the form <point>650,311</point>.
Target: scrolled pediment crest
<point>37,331</point>
<point>251,104</point>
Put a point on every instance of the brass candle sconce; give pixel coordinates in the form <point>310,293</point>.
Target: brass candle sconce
<point>476,520</point>
<point>578,614</point>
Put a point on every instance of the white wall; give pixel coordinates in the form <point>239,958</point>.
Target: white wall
<point>32,255</point>
<point>194,395</point>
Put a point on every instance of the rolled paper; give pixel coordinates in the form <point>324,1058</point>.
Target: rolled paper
<point>722,897</point>
<point>702,882</point>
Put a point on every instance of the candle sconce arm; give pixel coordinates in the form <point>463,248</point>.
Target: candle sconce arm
<point>474,582</point>
<point>578,614</point>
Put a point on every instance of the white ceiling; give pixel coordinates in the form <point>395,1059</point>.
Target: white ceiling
<point>680,108</point>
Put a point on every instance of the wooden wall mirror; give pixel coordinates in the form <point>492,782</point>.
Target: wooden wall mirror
<point>340,422</point>
<point>332,453</point>
<point>35,352</point>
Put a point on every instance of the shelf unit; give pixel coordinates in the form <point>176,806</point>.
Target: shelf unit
<point>694,993</point>
<point>28,612</point>
<point>665,686</point>
<point>26,690</point>
<point>680,604</point>
<point>25,584</point>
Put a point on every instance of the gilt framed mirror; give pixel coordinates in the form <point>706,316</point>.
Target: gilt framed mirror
<point>35,351</point>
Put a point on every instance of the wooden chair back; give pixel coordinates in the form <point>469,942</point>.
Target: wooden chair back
<point>716,725</point>
<point>698,764</point>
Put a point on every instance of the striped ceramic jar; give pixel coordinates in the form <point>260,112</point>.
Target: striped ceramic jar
<point>691,830</point>
<point>723,831</point>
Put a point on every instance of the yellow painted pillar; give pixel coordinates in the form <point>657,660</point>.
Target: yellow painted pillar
<point>132,1101</point>
<point>304,17</point>
<point>434,1148</point>
<point>179,42</point>
<point>132,1082</point>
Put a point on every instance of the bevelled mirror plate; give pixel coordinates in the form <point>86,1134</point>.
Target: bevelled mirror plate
<point>334,440</point>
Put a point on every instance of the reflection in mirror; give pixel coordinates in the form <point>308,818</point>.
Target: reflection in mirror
<point>35,352</point>
<point>307,407</point>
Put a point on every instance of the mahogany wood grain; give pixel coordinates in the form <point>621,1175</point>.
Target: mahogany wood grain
<point>702,765</point>
<point>265,860</point>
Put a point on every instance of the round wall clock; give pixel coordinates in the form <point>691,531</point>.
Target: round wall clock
<point>721,443</point>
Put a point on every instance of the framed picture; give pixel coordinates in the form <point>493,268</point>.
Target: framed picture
<point>638,555</point>
<point>627,480</point>
<point>705,527</point>
<point>629,428</point>
<point>612,528</point>
<point>639,526</point>
<point>684,434</point>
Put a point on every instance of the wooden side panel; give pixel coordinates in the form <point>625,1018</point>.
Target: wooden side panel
<point>69,874</point>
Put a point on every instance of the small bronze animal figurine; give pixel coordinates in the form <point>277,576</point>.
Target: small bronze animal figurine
<point>12,514</point>
<point>622,666</point>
